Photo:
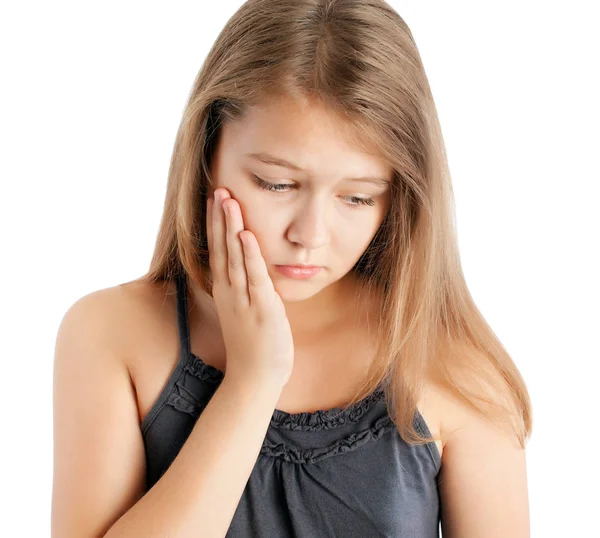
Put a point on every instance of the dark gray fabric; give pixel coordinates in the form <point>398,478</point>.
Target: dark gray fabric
<point>334,473</point>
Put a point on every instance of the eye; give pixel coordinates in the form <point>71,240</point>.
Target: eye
<point>284,187</point>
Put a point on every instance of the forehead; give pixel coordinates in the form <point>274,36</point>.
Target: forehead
<point>307,133</point>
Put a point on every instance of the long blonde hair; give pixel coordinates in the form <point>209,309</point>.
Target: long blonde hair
<point>359,58</point>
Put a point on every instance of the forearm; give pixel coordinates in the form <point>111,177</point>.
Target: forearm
<point>200,491</point>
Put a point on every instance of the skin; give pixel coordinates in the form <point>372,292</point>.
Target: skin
<point>315,219</point>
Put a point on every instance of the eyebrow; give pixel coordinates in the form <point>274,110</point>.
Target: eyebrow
<point>267,158</point>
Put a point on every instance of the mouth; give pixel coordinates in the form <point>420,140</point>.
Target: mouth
<point>299,271</point>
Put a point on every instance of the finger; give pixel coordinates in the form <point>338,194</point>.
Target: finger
<point>235,252</point>
<point>260,285</point>
<point>219,244</point>
<point>209,240</point>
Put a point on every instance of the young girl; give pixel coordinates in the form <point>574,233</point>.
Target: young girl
<point>303,358</point>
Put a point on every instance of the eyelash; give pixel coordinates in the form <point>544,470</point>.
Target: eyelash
<point>275,187</point>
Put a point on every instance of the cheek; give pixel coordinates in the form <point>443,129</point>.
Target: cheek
<point>257,219</point>
<point>353,244</point>
<point>355,240</point>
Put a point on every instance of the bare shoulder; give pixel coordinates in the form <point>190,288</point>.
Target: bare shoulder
<point>92,318</point>
<point>452,417</point>
<point>99,461</point>
<point>111,301</point>
<point>126,314</point>
<point>483,479</point>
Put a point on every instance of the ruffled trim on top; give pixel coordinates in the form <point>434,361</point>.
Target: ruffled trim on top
<point>342,446</point>
<point>205,372</point>
<point>325,419</point>
<point>304,421</point>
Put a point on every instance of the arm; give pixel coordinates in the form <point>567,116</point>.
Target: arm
<point>99,460</point>
<point>483,479</point>
<point>200,491</point>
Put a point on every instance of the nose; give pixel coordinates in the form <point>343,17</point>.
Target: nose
<point>310,226</point>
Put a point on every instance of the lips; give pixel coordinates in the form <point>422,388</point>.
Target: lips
<point>303,266</point>
<point>299,271</point>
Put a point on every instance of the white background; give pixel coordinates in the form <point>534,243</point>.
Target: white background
<point>91,97</point>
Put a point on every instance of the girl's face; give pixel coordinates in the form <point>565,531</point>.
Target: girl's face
<point>307,193</point>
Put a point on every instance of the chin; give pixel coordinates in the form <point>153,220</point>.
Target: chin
<point>294,291</point>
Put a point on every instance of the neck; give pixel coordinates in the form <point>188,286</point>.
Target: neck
<point>329,307</point>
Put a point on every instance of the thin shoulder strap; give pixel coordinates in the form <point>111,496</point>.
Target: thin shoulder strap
<point>182,317</point>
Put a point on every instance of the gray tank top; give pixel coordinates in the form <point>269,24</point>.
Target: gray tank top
<point>330,473</point>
